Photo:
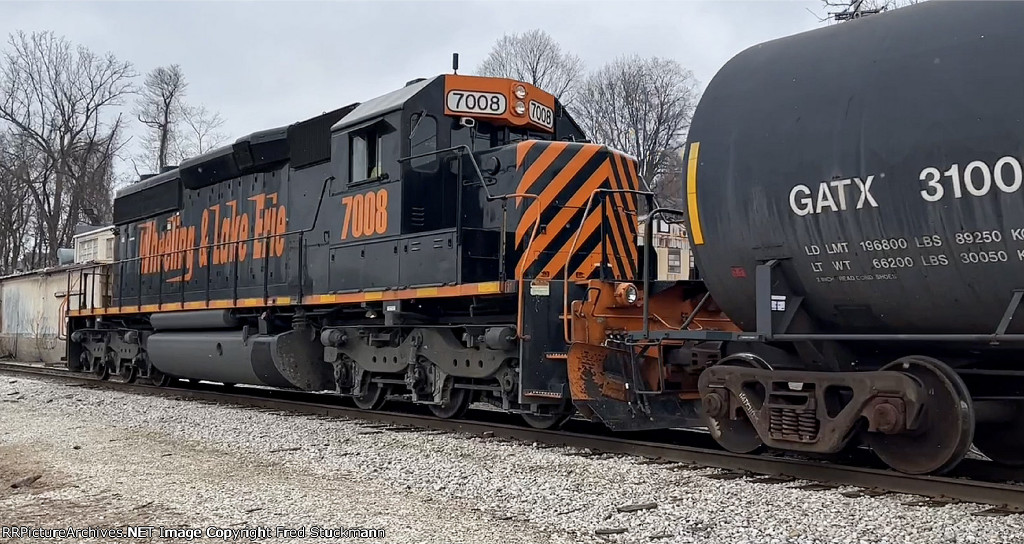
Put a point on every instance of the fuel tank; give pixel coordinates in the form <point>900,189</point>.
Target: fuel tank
<point>290,359</point>
<point>879,161</point>
<point>220,356</point>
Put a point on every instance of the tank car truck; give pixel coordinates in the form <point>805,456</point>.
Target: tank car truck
<point>408,247</point>
<point>854,204</point>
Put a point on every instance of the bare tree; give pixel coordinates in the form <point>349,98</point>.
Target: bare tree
<point>199,132</point>
<point>177,130</point>
<point>15,201</point>
<point>846,10</point>
<point>536,58</point>
<point>641,106</point>
<point>58,102</point>
<point>159,108</point>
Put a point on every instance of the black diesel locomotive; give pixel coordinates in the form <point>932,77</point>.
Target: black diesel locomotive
<point>853,202</point>
<point>381,249</point>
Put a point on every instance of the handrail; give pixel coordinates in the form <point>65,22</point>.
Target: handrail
<point>520,270</point>
<point>648,242</point>
<point>266,269</point>
<point>265,239</point>
<point>476,168</point>
<point>565,276</point>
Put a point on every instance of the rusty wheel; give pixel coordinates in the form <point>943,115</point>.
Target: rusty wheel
<point>1002,440</point>
<point>738,434</point>
<point>457,405</point>
<point>946,429</point>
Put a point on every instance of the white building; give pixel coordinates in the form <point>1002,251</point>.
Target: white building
<point>34,304</point>
<point>673,249</point>
<point>95,245</point>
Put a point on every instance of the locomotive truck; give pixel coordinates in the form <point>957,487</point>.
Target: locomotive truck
<point>852,199</point>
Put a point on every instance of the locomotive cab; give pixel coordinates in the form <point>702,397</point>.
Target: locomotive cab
<point>408,165</point>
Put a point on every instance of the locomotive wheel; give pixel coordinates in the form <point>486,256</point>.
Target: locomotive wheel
<point>158,378</point>
<point>128,373</point>
<point>547,421</point>
<point>373,394</point>
<point>1003,441</point>
<point>457,405</point>
<point>553,420</point>
<point>101,371</point>
<point>736,435</point>
<point>945,432</point>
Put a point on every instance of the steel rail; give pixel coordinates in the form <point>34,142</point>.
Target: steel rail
<point>936,487</point>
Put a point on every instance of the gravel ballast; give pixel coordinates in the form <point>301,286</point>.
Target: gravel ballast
<point>109,459</point>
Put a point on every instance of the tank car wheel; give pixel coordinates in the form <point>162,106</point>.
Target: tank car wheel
<point>457,405</point>
<point>1003,441</point>
<point>945,433</point>
<point>736,435</point>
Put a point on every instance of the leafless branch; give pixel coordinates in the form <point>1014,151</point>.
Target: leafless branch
<point>57,104</point>
<point>846,10</point>
<point>536,58</point>
<point>201,130</point>
<point>159,110</point>
<point>642,106</point>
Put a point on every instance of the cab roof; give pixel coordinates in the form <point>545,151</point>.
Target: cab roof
<point>376,107</point>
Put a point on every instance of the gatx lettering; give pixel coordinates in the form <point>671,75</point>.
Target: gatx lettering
<point>835,196</point>
<point>225,235</point>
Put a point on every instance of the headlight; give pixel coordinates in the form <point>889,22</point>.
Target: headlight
<point>520,92</point>
<point>520,108</point>
<point>631,294</point>
<point>626,294</point>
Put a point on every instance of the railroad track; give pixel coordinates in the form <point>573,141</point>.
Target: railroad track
<point>973,484</point>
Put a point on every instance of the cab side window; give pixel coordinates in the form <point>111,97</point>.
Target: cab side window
<point>365,152</point>
<point>368,148</point>
<point>423,139</point>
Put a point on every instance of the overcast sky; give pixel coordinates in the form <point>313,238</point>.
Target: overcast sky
<point>268,63</point>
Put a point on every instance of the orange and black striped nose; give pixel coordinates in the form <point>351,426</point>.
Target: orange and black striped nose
<point>568,224</point>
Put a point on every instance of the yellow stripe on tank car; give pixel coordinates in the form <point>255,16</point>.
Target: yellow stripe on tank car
<point>691,195</point>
